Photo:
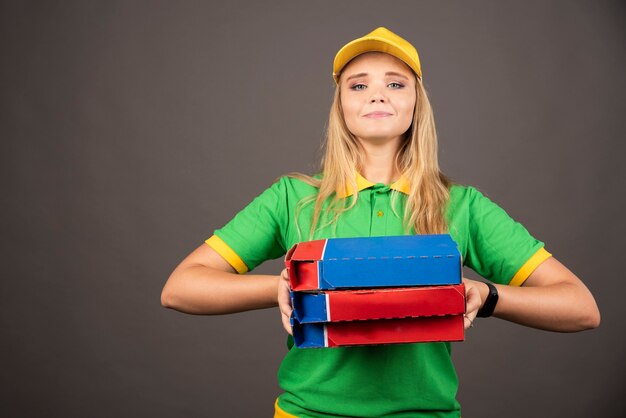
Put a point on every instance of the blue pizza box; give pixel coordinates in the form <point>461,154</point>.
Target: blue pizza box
<point>371,262</point>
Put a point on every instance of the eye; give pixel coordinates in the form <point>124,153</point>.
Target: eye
<point>395,85</point>
<point>358,86</point>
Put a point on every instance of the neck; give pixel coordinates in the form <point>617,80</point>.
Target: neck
<point>379,160</point>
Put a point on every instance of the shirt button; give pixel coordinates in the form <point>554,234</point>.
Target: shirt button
<point>380,213</point>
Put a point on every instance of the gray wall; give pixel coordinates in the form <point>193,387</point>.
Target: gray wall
<point>131,130</point>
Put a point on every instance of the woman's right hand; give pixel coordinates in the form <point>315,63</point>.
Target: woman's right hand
<point>284,300</point>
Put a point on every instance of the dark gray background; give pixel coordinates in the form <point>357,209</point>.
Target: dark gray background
<point>131,130</point>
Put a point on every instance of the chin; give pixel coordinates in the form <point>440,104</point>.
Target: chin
<point>380,136</point>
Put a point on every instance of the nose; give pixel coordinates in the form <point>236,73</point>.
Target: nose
<point>377,97</point>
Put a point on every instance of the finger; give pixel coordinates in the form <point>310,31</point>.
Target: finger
<point>285,313</point>
<point>284,303</point>
<point>472,302</point>
<point>286,324</point>
<point>285,310</point>
<point>284,300</point>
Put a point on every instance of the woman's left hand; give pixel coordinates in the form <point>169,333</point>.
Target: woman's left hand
<point>473,302</point>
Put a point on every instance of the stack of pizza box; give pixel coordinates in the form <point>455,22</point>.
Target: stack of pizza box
<point>376,290</point>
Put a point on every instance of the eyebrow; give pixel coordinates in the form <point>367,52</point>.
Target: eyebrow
<point>356,76</point>
<point>397,75</point>
<point>393,73</point>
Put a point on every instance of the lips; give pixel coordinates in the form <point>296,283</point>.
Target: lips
<point>377,115</point>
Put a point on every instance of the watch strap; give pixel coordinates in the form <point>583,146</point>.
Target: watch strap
<point>490,303</point>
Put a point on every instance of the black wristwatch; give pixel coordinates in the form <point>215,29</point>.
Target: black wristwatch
<point>490,304</point>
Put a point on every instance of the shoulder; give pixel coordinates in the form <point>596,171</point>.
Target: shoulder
<point>462,195</point>
<point>285,192</point>
<point>290,185</point>
<point>297,184</point>
<point>467,203</point>
<point>463,191</point>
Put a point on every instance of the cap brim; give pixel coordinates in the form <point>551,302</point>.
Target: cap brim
<point>371,44</point>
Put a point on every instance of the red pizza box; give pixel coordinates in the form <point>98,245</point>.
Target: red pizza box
<point>350,305</point>
<point>379,331</point>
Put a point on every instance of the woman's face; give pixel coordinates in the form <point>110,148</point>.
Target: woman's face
<point>377,96</point>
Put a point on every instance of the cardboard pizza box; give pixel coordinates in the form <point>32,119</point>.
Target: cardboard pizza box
<point>350,305</point>
<point>379,331</point>
<point>397,261</point>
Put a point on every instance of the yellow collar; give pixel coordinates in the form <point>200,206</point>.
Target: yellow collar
<point>401,185</point>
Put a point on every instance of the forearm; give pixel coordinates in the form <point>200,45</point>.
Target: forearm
<point>552,298</point>
<point>562,307</point>
<point>204,290</point>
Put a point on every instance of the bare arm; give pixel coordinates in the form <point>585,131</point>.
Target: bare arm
<point>552,298</point>
<point>205,284</point>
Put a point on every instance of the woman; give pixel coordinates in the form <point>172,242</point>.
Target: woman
<point>380,176</point>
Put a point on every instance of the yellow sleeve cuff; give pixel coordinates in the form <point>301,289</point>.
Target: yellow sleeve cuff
<point>279,413</point>
<point>529,266</point>
<point>227,253</point>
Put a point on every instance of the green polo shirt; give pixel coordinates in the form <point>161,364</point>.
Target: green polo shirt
<point>398,380</point>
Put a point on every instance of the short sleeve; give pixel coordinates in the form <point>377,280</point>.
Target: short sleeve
<point>254,234</point>
<point>499,248</point>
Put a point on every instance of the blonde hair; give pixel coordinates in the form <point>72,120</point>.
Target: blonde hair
<point>417,160</point>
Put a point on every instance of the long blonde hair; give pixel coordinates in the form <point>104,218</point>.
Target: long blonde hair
<point>417,160</point>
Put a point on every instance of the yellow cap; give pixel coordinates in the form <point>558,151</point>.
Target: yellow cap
<point>381,40</point>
